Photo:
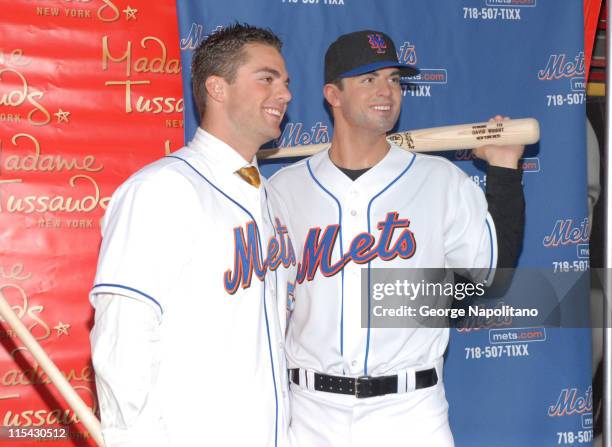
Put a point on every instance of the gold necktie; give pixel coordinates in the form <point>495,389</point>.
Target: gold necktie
<point>250,174</point>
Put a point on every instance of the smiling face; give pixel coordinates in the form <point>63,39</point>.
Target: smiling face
<point>369,102</point>
<point>256,100</point>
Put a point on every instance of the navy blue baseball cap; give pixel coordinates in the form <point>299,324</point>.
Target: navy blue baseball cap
<point>362,52</point>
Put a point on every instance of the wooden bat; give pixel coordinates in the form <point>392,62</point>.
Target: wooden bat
<point>81,409</point>
<point>445,138</point>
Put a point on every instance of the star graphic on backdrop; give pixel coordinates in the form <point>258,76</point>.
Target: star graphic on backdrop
<point>61,328</point>
<point>130,13</point>
<point>62,116</point>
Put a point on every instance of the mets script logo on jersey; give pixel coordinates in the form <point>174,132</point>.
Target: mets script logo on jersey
<point>565,233</point>
<point>377,42</point>
<point>561,66</point>
<point>570,402</point>
<point>248,256</point>
<point>318,248</point>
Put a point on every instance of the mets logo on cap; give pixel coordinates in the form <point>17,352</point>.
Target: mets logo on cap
<point>377,42</point>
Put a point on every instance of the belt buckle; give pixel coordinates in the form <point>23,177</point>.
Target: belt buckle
<point>363,387</point>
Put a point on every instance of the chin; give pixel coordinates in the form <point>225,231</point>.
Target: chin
<point>386,127</point>
<point>277,132</point>
<point>273,135</point>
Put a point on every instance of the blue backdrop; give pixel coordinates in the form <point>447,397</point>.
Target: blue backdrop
<point>520,58</point>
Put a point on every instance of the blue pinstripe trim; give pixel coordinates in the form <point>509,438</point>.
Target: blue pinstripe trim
<point>491,254</point>
<point>266,315</point>
<point>341,253</point>
<point>214,186</point>
<point>119,286</point>
<point>264,288</point>
<point>367,353</point>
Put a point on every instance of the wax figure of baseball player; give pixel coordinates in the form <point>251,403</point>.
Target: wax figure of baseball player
<point>362,204</point>
<point>187,343</point>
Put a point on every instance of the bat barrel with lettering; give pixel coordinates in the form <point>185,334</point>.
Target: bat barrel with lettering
<point>462,136</point>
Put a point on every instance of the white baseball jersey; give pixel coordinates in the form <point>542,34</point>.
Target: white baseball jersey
<point>210,254</point>
<point>409,210</point>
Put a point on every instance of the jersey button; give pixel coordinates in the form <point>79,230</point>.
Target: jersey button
<point>354,363</point>
<point>353,212</point>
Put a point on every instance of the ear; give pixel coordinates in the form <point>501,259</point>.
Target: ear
<point>215,87</point>
<point>331,93</point>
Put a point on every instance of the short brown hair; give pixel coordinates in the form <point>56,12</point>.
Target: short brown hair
<point>222,53</point>
<point>338,83</point>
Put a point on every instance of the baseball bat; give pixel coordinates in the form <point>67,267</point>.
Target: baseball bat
<point>81,409</point>
<point>445,138</point>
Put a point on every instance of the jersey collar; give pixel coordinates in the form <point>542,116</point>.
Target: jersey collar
<point>377,178</point>
<point>220,154</point>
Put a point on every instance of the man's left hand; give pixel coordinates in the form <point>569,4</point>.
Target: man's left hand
<point>502,156</point>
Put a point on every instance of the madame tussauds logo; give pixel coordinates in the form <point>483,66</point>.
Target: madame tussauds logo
<point>16,92</point>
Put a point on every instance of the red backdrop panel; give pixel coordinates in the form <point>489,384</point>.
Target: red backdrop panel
<point>90,91</point>
<point>591,16</point>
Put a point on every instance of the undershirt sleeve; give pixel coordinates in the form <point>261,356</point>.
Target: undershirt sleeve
<point>506,202</point>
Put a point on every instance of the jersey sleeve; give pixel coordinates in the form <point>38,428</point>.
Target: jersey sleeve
<point>125,354</point>
<point>146,234</point>
<point>470,237</point>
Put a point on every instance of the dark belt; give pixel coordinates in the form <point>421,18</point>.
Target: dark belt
<point>365,386</point>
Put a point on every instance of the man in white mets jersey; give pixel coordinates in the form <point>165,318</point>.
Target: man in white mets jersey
<point>188,344</point>
<point>367,204</point>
